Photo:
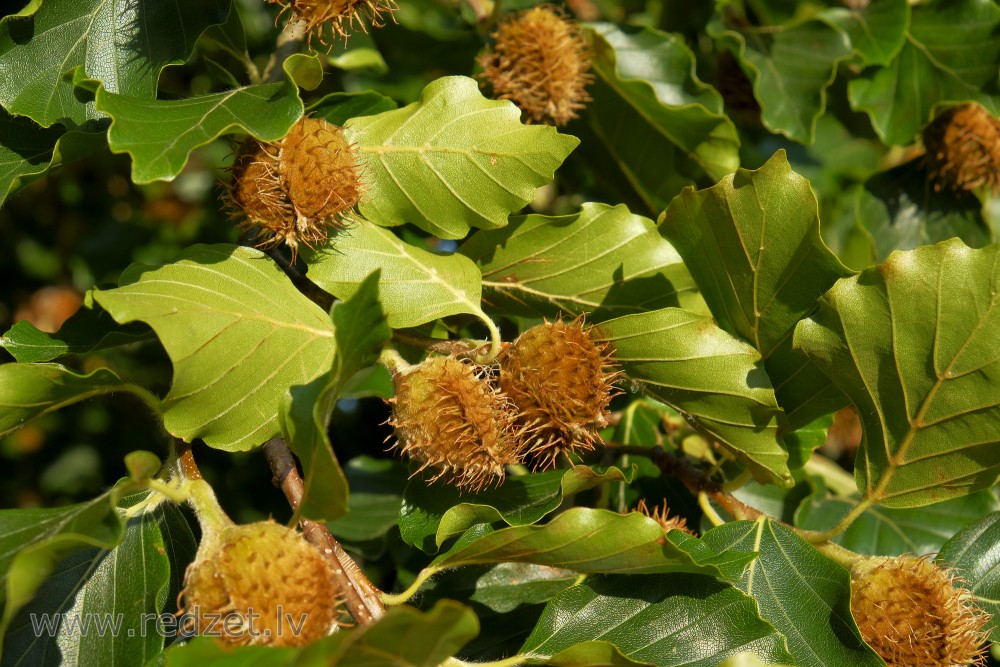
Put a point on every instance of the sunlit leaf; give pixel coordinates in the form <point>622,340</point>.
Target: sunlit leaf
<point>603,260</point>
<point>223,313</point>
<point>912,343</point>
<point>453,160</point>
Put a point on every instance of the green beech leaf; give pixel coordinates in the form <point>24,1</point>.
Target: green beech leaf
<point>590,540</point>
<point>239,335</point>
<point>663,126</point>
<point>87,330</point>
<point>338,108</point>
<point>376,495</point>
<point>752,244</point>
<point>501,588</point>
<point>804,594</point>
<point>453,160</point>
<point>883,531</point>
<point>949,55</point>
<point>159,135</point>
<point>121,43</point>
<point>718,380</point>
<point>28,151</point>
<point>790,67</point>
<point>973,553</point>
<point>666,620</point>
<point>28,391</point>
<point>431,514</point>
<point>877,29</point>
<point>33,541</point>
<point>912,343</point>
<point>403,637</point>
<point>602,260</point>
<point>416,286</point>
<point>360,331</point>
<point>140,576</point>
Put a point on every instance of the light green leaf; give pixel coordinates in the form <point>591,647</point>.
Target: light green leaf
<point>591,540</point>
<point>159,135</point>
<point>882,531</point>
<point>89,329</point>
<point>603,260</point>
<point>121,43</point>
<point>239,335</point>
<point>416,286</point>
<point>877,29</point>
<point>453,160</point>
<point>28,391</point>
<point>33,541</point>
<point>665,620</point>
<point>912,342</point>
<point>360,331</point>
<point>752,244</point>
<point>949,55</point>
<point>432,514</point>
<point>790,67</point>
<point>973,553</point>
<point>804,594</point>
<point>663,126</point>
<point>28,151</point>
<point>718,380</point>
<point>121,590</point>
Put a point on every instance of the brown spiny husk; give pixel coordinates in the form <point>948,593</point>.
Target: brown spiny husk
<point>915,614</point>
<point>451,419</point>
<point>343,16</point>
<point>661,515</point>
<point>963,149</point>
<point>560,379</point>
<point>265,569</point>
<point>540,62</point>
<point>297,190</point>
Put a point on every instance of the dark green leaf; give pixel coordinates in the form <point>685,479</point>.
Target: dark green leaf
<point>589,540</point>
<point>223,313</point>
<point>664,127</point>
<point>159,135</point>
<point>877,29</point>
<point>89,329</point>
<point>28,391</point>
<point>602,260</point>
<point>912,343</point>
<point>804,594</point>
<point>360,331</point>
<point>121,43</point>
<point>882,531</point>
<point>453,160</point>
<point>949,55</point>
<point>790,67</point>
<point>718,380</point>
<point>432,514</point>
<point>338,108</point>
<point>973,553</point>
<point>664,620</point>
<point>125,589</point>
<point>376,495</point>
<point>416,286</point>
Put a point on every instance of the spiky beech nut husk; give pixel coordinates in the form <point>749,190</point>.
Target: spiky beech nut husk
<point>260,583</point>
<point>963,149</point>
<point>915,614</point>
<point>342,16</point>
<point>539,61</point>
<point>450,418</point>
<point>661,515</point>
<point>297,190</point>
<point>561,381</point>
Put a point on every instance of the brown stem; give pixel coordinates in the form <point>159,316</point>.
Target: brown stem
<point>456,347</point>
<point>185,458</point>
<point>361,596</point>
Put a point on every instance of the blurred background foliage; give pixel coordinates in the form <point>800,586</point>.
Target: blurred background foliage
<point>82,224</point>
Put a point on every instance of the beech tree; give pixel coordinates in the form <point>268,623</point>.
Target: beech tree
<point>668,333</point>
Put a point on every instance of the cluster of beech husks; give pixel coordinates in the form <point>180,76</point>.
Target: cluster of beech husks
<point>547,396</point>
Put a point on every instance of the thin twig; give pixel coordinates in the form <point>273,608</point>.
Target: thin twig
<point>289,43</point>
<point>362,598</point>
